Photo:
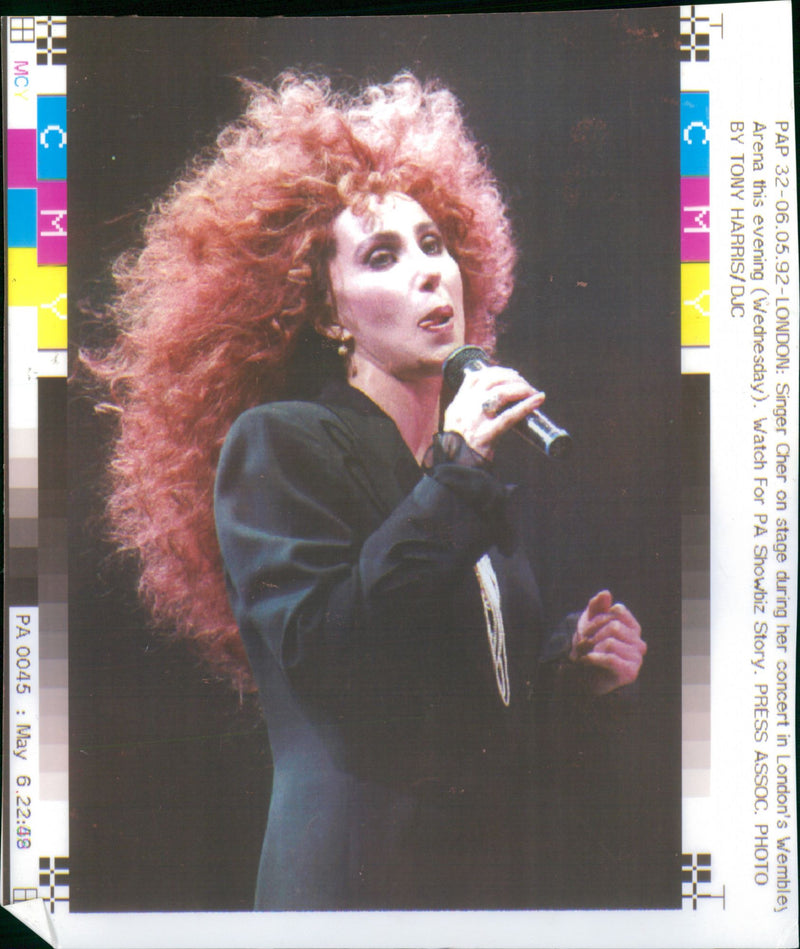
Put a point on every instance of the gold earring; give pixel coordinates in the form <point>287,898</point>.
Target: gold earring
<point>346,345</point>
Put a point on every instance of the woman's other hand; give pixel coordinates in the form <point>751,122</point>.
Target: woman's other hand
<point>609,640</point>
<point>489,403</point>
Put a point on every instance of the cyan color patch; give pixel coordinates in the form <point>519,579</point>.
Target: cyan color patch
<point>695,134</point>
<point>51,143</point>
<point>21,217</point>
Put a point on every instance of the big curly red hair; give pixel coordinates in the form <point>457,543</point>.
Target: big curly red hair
<point>231,273</point>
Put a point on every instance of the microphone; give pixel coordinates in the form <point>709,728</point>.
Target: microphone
<point>535,428</point>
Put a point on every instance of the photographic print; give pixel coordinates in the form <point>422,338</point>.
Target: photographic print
<point>298,624</point>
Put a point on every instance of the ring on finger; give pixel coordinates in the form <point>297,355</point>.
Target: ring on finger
<point>490,407</point>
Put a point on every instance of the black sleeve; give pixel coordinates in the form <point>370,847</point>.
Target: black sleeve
<point>327,600</point>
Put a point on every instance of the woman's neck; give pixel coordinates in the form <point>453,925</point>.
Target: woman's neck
<point>412,405</point>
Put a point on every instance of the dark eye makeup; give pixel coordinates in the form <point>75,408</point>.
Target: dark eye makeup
<point>385,249</point>
<point>431,242</point>
<point>381,257</point>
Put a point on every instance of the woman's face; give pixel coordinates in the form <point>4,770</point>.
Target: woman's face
<point>396,289</point>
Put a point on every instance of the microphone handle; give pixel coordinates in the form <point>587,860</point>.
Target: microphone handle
<point>541,432</point>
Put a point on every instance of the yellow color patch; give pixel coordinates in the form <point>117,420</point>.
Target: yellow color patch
<point>42,287</point>
<point>695,304</point>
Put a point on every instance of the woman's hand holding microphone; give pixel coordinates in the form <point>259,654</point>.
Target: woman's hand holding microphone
<point>488,403</point>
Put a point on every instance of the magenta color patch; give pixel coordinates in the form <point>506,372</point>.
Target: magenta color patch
<point>21,158</point>
<point>694,219</point>
<point>51,223</point>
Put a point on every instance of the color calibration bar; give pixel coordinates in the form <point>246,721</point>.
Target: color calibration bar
<point>701,29</point>
<point>35,862</point>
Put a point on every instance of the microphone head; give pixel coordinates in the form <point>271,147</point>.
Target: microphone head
<point>459,360</point>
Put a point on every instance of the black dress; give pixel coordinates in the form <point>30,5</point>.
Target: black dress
<point>401,778</point>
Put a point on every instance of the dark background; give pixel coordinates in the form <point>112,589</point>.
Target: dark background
<point>169,773</point>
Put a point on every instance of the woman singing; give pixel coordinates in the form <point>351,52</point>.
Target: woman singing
<point>296,296</point>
